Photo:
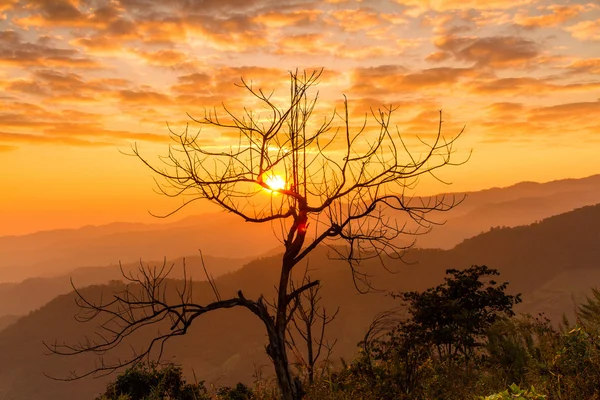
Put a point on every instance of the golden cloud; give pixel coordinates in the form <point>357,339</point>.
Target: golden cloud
<point>586,65</point>
<point>559,14</point>
<point>568,112</point>
<point>143,97</point>
<point>495,51</point>
<point>353,20</point>
<point>56,85</point>
<point>586,30</point>
<point>7,4</point>
<point>14,52</point>
<point>23,138</point>
<point>528,86</point>
<point>6,148</point>
<point>275,19</point>
<point>168,58</point>
<point>387,80</point>
<point>53,13</point>
<point>449,5</point>
<point>325,45</point>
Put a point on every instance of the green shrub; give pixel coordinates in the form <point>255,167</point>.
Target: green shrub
<point>516,393</point>
<point>154,382</point>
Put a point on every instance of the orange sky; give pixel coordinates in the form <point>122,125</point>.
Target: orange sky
<point>84,79</point>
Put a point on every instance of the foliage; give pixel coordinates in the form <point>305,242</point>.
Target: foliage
<point>418,357</point>
<point>454,316</point>
<point>518,357</point>
<point>238,392</point>
<point>516,393</point>
<point>588,313</point>
<point>154,382</point>
<point>515,346</point>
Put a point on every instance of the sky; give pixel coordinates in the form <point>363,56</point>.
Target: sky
<point>84,80</point>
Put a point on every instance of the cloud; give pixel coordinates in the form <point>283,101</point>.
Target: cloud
<point>318,44</point>
<point>435,77</point>
<point>585,30</point>
<point>202,50</point>
<point>388,80</point>
<point>504,110</point>
<point>528,86</point>
<point>559,15</point>
<point>438,56</point>
<point>567,112</point>
<point>52,12</point>
<point>58,86</point>
<point>143,97</point>
<point>451,5</point>
<point>354,20</point>
<point>5,148</point>
<point>495,51</point>
<point>297,18</point>
<point>27,87</point>
<point>238,33</point>
<point>169,58</point>
<point>14,52</point>
<point>7,4</point>
<point>558,124</point>
<point>212,87</point>
<point>23,138</point>
<point>586,65</point>
<point>98,45</point>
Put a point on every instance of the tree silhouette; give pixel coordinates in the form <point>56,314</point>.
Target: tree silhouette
<point>151,381</point>
<point>453,317</point>
<point>341,185</point>
<point>306,332</point>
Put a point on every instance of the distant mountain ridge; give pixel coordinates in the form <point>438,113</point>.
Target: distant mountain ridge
<point>548,262</point>
<point>520,204</point>
<point>17,299</point>
<point>54,253</point>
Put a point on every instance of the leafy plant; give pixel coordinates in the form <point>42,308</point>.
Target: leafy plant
<point>153,382</point>
<point>515,393</point>
<point>454,316</point>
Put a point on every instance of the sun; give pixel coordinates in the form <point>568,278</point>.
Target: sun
<point>275,182</point>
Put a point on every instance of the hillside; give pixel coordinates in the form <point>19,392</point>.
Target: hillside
<point>520,204</point>
<point>546,261</point>
<point>54,253</point>
<point>23,297</point>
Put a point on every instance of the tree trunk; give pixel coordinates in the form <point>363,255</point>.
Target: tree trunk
<point>277,351</point>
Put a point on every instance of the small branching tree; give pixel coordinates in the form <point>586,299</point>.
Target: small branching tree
<point>306,333</point>
<point>324,181</point>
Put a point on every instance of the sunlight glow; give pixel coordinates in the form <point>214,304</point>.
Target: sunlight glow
<point>275,182</point>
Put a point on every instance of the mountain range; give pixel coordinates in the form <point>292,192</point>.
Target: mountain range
<point>58,252</point>
<point>550,262</point>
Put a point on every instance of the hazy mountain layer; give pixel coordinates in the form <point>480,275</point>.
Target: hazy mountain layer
<point>53,253</point>
<point>23,297</point>
<point>546,261</point>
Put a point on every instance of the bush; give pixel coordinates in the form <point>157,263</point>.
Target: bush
<point>239,392</point>
<point>516,393</point>
<point>154,382</point>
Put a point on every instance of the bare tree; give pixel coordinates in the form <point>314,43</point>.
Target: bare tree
<point>309,321</point>
<point>340,184</point>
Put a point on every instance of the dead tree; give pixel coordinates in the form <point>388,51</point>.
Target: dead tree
<point>306,333</point>
<point>341,183</point>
